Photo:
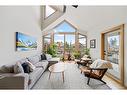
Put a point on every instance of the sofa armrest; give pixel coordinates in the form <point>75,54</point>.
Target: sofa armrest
<point>15,81</point>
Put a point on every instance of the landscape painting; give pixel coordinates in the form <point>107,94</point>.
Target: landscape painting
<point>25,42</point>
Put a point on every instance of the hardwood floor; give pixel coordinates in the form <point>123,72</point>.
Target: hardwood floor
<point>113,84</point>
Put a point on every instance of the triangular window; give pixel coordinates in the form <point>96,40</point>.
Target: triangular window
<point>64,27</point>
<point>49,11</point>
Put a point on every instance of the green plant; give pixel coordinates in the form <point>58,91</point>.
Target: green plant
<point>76,54</point>
<point>52,49</point>
<point>87,51</point>
<point>62,58</point>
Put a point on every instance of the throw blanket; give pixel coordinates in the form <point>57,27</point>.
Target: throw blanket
<point>99,63</point>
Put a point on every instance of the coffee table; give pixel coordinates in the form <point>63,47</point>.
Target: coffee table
<point>57,68</point>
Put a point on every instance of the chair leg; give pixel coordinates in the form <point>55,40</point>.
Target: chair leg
<point>78,65</point>
<point>88,81</point>
<point>81,71</point>
<point>103,81</point>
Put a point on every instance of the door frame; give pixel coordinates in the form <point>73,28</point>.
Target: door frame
<point>121,29</point>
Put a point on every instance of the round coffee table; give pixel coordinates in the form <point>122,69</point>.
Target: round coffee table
<point>57,68</point>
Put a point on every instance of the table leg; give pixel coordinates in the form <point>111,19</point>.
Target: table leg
<point>63,76</point>
<point>49,75</point>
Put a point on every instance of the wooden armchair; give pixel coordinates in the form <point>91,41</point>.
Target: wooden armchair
<point>95,73</point>
<point>97,70</point>
<point>84,62</point>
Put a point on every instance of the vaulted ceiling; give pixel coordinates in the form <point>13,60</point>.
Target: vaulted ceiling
<point>90,18</point>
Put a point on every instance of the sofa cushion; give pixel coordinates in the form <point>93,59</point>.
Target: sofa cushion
<point>8,68</point>
<point>39,56</point>
<point>34,59</point>
<point>43,64</point>
<point>26,67</point>
<point>23,60</point>
<point>34,76</point>
<point>48,56</point>
<point>18,68</point>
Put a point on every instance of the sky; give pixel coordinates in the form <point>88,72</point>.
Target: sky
<point>64,27</point>
<point>114,37</point>
<point>49,11</point>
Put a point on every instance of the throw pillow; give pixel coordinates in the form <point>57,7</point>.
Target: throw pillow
<point>26,67</point>
<point>18,68</point>
<point>32,67</point>
<point>43,57</point>
<point>48,56</point>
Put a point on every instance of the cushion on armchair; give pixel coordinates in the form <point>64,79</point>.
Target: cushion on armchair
<point>85,56</point>
<point>99,63</point>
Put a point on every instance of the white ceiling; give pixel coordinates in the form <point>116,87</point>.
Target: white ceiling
<point>90,18</point>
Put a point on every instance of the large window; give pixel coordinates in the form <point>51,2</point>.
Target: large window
<point>67,39</point>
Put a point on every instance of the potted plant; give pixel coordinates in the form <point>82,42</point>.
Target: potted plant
<point>52,50</point>
<point>87,52</point>
<point>76,54</point>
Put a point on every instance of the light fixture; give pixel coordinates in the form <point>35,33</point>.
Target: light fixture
<point>75,6</point>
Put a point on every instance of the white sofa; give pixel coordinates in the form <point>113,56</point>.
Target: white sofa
<point>10,80</point>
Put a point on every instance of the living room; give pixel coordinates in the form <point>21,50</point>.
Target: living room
<point>90,23</point>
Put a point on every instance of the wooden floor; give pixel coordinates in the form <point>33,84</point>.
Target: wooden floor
<point>73,80</point>
<point>113,84</point>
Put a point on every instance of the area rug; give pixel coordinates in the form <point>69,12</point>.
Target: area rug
<point>73,80</point>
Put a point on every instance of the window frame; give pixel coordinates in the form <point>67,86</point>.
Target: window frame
<point>76,34</point>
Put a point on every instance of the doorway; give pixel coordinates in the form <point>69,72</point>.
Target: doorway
<point>112,50</point>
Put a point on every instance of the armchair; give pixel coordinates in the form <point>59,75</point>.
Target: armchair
<point>97,70</point>
<point>95,73</point>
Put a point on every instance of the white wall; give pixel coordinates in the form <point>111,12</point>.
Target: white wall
<point>24,19</point>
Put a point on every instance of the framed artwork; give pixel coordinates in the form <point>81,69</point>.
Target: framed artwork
<point>25,42</point>
<point>93,43</point>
